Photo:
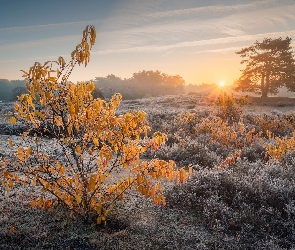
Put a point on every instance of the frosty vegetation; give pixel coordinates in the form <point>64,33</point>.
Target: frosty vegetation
<point>240,194</point>
<point>242,189</point>
<point>243,182</point>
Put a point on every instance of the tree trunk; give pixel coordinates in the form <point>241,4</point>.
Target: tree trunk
<point>263,86</point>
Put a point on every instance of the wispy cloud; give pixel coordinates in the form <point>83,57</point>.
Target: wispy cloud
<point>54,40</point>
<point>226,40</point>
<point>30,59</point>
<point>177,30</point>
<point>224,50</point>
<point>49,26</point>
<point>213,9</point>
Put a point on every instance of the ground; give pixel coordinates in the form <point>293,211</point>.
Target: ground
<point>135,224</point>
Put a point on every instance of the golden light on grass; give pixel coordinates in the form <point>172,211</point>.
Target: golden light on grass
<point>221,89</point>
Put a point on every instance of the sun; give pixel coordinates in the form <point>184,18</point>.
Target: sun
<point>221,84</point>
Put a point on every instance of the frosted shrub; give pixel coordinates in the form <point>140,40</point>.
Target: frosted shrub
<point>92,144</point>
<point>248,199</point>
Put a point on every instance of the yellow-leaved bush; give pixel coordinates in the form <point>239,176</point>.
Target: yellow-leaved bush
<point>94,143</point>
<point>277,149</point>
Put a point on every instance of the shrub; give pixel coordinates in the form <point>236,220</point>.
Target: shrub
<point>90,143</point>
<point>280,125</point>
<point>252,201</point>
<point>229,109</point>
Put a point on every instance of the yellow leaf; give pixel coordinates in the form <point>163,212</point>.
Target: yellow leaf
<point>182,176</point>
<point>40,115</point>
<point>95,141</point>
<point>98,220</point>
<point>78,149</point>
<point>20,153</point>
<point>102,178</point>
<point>10,184</point>
<point>61,171</point>
<point>13,120</point>
<point>88,113</point>
<point>58,121</point>
<point>92,183</point>
<point>10,143</point>
<point>78,198</point>
<point>29,150</point>
<point>152,192</point>
<point>47,94</point>
<point>130,180</point>
<point>170,176</point>
<point>90,86</point>
<point>48,203</point>
<point>76,108</point>
<point>72,110</point>
<point>139,179</point>
<point>143,190</point>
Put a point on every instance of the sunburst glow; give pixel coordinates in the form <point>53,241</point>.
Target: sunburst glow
<point>221,83</point>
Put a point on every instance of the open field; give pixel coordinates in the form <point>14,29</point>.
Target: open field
<point>241,194</point>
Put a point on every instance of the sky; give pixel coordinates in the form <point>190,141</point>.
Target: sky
<point>191,38</point>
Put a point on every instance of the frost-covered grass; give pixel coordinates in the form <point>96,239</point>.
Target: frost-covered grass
<point>248,203</point>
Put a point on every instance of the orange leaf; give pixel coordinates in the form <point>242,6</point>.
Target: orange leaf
<point>10,184</point>
<point>92,183</point>
<point>78,149</point>
<point>98,220</point>
<point>95,141</point>
<point>13,120</point>
<point>11,229</point>
<point>61,171</point>
<point>78,198</point>
<point>48,203</point>
<point>139,179</point>
<point>29,150</point>
<point>10,143</point>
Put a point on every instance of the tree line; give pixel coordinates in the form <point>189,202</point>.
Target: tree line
<point>145,83</point>
<point>11,89</point>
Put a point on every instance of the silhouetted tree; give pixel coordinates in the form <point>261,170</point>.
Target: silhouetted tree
<point>269,65</point>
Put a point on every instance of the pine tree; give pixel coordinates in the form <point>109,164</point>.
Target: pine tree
<point>269,64</point>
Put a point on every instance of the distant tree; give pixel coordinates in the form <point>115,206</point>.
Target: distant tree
<point>142,84</point>
<point>110,85</point>
<point>269,65</point>
<point>7,86</point>
<point>18,91</point>
<point>155,83</point>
